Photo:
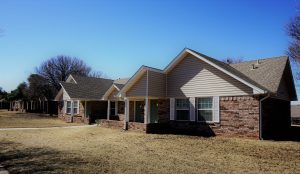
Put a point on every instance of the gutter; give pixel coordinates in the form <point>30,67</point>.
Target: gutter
<point>260,116</point>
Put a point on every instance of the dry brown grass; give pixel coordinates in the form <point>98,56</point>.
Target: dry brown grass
<point>102,150</point>
<point>10,119</point>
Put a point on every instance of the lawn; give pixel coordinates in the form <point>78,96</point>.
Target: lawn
<point>10,119</point>
<point>103,150</point>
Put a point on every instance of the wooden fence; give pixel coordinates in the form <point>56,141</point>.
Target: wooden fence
<point>4,105</point>
<point>35,106</point>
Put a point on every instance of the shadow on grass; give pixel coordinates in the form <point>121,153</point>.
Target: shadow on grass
<point>17,159</point>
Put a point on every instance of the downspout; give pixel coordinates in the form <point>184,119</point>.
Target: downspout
<point>260,116</point>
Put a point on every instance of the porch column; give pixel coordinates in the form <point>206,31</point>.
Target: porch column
<point>116,108</point>
<point>108,109</point>
<point>146,111</point>
<point>85,111</point>
<point>126,120</point>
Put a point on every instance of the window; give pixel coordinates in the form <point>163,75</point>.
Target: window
<point>69,107</point>
<point>112,108</point>
<point>205,109</point>
<point>75,107</point>
<point>182,109</point>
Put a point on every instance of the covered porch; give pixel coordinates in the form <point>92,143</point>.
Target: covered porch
<point>142,111</point>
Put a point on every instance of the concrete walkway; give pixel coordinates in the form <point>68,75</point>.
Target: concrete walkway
<point>57,127</point>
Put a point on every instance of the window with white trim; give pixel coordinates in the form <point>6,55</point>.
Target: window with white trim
<point>205,109</point>
<point>69,107</point>
<point>75,107</point>
<point>182,109</point>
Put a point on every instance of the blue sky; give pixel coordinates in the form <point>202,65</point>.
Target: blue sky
<point>117,37</point>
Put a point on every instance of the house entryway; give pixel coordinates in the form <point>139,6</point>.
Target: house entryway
<point>153,111</point>
<point>139,111</point>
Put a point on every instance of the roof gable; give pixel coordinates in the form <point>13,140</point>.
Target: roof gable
<point>219,65</point>
<point>88,88</point>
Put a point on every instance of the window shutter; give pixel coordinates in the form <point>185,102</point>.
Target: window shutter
<point>172,108</point>
<point>192,109</point>
<point>216,112</point>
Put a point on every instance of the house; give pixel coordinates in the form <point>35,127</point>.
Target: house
<point>196,93</point>
<point>82,99</point>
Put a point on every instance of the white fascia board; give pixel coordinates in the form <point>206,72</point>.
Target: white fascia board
<point>60,92</point>
<point>109,91</point>
<point>131,81</point>
<point>65,92</point>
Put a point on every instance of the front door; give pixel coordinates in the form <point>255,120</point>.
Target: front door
<point>139,111</point>
<point>153,111</point>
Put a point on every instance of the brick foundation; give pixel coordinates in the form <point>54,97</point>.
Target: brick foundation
<point>120,125</point>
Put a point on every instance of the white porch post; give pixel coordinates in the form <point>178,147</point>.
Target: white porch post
<point>147,112</point>
<point>116,107</point>
<point>126,120</point>
<point>85,111</point>
<point>108,109</point>
<point>192,108</point>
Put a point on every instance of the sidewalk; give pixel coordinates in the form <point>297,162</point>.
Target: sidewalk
<point>63,127</point>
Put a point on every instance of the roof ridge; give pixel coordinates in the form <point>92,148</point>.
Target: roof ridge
<point>100,78</point>
<point>267,58</point>
<point>152,68</point>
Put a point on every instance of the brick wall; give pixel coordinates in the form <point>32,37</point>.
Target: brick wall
<point>239,116</point>
<point>164,110</point>
<point>120,124</point>
<point>77,118</point>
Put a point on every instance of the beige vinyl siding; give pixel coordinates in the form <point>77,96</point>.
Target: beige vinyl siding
<point>113,95</point>
<point>65,95</point>
<point>156,84</point>
<point>193,77</point>
<point>139,88</point>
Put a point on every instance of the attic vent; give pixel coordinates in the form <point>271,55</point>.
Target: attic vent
<point>253,67</point>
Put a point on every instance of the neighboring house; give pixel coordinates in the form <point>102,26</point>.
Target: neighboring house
<point>82,99</point>
<point>197,93</point>
<point>295,113</point>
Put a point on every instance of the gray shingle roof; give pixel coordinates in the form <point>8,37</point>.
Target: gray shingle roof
<point>90,88</point>
<point>268,72</point>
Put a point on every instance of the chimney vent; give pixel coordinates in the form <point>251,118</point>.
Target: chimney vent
<point>257,61</point>
<point>253,67</point>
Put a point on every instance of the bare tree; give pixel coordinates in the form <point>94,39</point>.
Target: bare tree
<point>293,30</point>
<point>58,68</point>
<point>231,60</point>
<point>39,88</point>
<point>97,74</point>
